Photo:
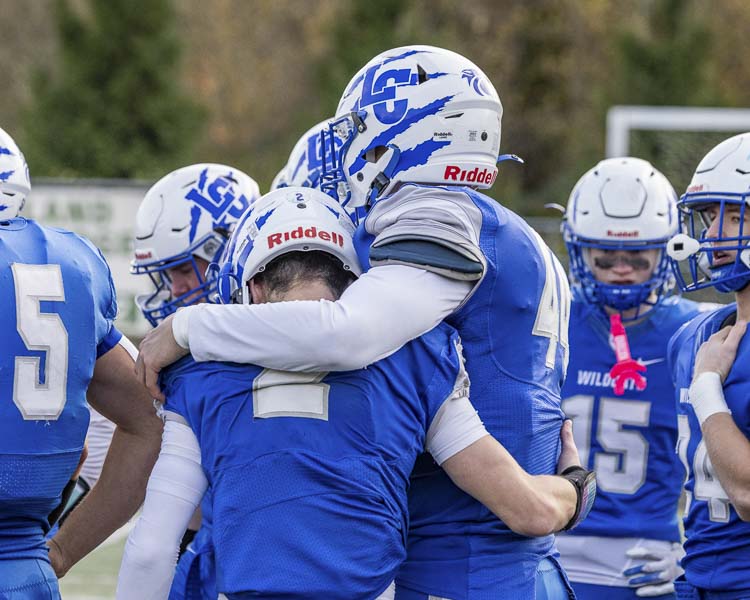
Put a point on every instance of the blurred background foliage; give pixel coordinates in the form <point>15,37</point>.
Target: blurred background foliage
<point>134,88</point>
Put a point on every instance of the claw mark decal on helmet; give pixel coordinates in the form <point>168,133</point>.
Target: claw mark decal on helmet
<point>8,151</point>
<point>195,215</point>
<point>414,115</point>
<point>261,220</point>
<point>475,81</point>
<point>5,175</point>
<point>419,155</point>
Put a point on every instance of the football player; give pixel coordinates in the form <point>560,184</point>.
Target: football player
<point>182,225</point>
<point>619,218</point>
<point>57,308</point>
<point>713,385</point>
<point>16,186</point>
<point>420,133</point>
<point>306,161</point>
<point>309,471</point>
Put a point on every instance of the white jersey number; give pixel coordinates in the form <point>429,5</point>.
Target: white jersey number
<point>621,466</point>
<point>553,313</point>
<point>37,396</point>
<point>706,487</point>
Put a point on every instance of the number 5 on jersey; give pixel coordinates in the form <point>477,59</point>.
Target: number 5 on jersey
<point>37,394</point>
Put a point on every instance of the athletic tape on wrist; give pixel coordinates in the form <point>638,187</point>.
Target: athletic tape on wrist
<point>706,395</point>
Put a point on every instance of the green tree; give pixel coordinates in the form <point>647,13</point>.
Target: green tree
<point>113,107</point>
<point>669,61</point>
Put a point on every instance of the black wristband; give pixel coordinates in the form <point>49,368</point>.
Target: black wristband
<point>72,495</point>
<point>584,482</point>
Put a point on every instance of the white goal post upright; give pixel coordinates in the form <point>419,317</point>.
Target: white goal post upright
<point>622,119</point>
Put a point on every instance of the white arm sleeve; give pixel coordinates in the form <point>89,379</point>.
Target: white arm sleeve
<point>175,488</point>
<point>456,424</point>
<point>101,430</point>
<point>98,439</point>
<point>376,315</point>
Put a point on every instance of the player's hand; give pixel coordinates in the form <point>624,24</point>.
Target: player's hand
<point>56,558</point>
<point>717,353</point>
<point>569,452</point>
<point>658,569</point>
<point>158,350</point>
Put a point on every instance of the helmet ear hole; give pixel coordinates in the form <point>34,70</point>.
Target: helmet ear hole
<point>373,155</point>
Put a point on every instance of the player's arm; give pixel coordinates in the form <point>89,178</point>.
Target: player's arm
<point>115,393</point>
<point>426,261</point>
<point>532,505</point>
<point>175,488</point>
<point>727,446</point>
<point>376,315</point>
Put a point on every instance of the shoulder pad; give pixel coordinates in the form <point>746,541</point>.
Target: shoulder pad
<point>430,256</point>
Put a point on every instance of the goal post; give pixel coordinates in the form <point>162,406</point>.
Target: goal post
<point>673,138</point>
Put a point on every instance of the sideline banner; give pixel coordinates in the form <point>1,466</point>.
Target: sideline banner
<point>104,212</point>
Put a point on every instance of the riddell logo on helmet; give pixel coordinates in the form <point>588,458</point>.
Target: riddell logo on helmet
<point>695,188</point>
<point>309,233</point>
<point>623,234</point>
<point>143,255</point>
<point>453,173</point>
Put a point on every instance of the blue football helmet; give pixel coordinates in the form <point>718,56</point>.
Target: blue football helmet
<point>185,216</point>
<point>620,204</point>
<point>721,182</point>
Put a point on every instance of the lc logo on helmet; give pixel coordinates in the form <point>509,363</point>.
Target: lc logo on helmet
<point>218,198</point>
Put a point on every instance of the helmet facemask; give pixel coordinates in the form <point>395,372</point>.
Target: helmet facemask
<point>712,224</point>
<point>184,221</point>
<point>631,298</point>
<point>707,264</point>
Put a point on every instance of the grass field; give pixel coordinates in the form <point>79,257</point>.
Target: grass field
<point>95,577</point>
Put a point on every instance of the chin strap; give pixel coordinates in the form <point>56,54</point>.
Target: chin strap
<point>625,368</point>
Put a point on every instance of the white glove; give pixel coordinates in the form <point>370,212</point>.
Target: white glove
<point>656,574</point>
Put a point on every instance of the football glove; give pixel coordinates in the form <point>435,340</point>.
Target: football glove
<point>655,575</point>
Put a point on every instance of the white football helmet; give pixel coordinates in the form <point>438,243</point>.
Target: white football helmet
<point>722,178</point>
<point>280,180</point>
<point>290,219</point>
<point>14,178</point>
<point>621,204</point>
<point>186,214</point>
<point>417,114</point>
<point>305,164</point>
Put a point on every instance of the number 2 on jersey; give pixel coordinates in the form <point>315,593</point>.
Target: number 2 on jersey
<point>37,394</point>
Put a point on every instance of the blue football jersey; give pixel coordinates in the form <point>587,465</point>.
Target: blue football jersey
<point>513,329</point>
<point>57,306</point>
<point>717,542</point>
<point>628,440</point>
<point>309,471</point>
